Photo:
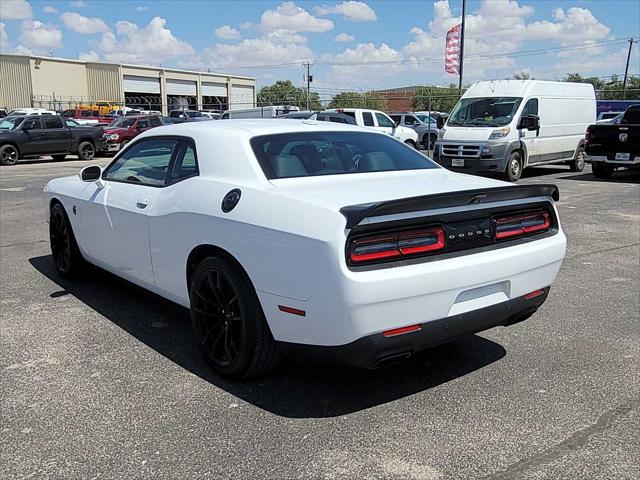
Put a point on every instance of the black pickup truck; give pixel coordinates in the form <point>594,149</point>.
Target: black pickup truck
<point>35,135</point>
<point>610,146</point>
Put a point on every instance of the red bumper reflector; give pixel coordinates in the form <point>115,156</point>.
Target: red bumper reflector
<point>401,330</point>
<point>534,294</point>
<point>292,311</point>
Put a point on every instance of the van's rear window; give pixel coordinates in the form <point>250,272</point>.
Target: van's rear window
<point>309,154</point>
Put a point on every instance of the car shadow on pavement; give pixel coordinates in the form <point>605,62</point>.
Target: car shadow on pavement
<point>620,176</point>
<point>295,390</point>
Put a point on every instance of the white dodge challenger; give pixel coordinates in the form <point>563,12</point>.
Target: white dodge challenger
<point>321,241</point>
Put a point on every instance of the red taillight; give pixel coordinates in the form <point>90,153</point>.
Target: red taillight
<point>521,224</point>
<point>402,330</point>
<point>398,244</point>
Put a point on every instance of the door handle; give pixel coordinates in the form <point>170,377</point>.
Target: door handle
<point>142,203</point>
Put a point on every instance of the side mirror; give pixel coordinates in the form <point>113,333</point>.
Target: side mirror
<point>440,121</point>
<point>92,174</point>
<point>529,122</point>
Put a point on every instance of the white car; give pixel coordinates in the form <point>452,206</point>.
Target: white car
<point>380,121</point>
<point>312,239</point>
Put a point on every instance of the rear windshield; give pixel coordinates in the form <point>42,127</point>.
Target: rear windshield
<point>631,116</point>
<point>310,154</point>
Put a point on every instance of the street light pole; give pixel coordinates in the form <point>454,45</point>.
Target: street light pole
<point>626,69</point>
<point>461,62</point>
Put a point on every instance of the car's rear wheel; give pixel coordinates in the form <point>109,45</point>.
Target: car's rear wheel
<point>577,164</point>
<point>64,249</point>
<point>58,158</point>
<point>86,151</point>
<point>429,141</point>
<point>8,155</point>
<point>602,171</point>
<point>228,321</point>
<point>513,171</point>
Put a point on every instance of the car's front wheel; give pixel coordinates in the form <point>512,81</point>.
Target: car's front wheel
<point>412,144</point>
<point>513,171</point>
<point>64,249</point>
<point>8,155</point>
<point>228,321</point>
<point>86,151</point>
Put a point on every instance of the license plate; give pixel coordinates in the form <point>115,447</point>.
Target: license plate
<point>457,162</point>
<point>622,156</point>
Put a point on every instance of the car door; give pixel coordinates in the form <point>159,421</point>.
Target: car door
<point>34,136</point>
<point>530,138</point>
<point>115,218</point>
<point>385,124</point>
<point>56,134</point>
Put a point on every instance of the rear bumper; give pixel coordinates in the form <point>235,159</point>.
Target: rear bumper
<point>377,350</point>
<point>633,161</point>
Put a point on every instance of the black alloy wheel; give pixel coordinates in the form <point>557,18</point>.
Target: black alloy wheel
<point>86,151</point>
<point>64,249</point>
<point>8,155</point>
<point>228,321</point>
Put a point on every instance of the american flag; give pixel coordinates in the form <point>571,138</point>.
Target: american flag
<point>452,51</point>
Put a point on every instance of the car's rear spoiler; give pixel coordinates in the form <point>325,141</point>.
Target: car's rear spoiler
<point>356,213</point>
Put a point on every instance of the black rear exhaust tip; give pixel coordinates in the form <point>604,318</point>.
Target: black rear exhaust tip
<point>391,359</point>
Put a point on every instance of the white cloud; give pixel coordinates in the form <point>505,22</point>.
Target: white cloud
<point>4,37</point>
<point>576,25</point>
<point>152,43</point>
<point>288,16</point>
<point>344,37</point>
<point>142,8</point>
<point>49,9</point>
<point>366,64</point>
<point>90,56</point>
<point>227,32</point>
<point>351,10</point>
<point>16,10</point>
<point>78,3</point>
<point>39,36</point>
<point>22,50</point>
<point>83,25</point>
<point>246,25</point>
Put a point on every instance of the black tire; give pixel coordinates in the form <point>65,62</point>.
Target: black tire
<point>228,321</point>
<point>9,155</point>
<point>429,141</point>
<point>602,171</point>
<point>513,172</point>
<point>123,144</point>
<point>577,164</point>
<point>412,144</point>
<point>59,158</point>
<point>86,150</point>
<point>64,248</point>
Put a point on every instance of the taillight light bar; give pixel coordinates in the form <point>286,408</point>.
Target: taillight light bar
<point>397,244</point>
<point>517,225</point>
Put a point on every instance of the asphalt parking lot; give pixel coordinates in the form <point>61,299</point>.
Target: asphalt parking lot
<point>102,380</point>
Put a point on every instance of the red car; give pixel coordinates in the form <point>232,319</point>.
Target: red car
<point>122,130</point>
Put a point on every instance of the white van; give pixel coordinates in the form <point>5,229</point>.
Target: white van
<point>505,126</point>
<point>260,112</point>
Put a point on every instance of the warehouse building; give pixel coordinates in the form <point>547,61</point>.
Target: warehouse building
<point>58,84</point>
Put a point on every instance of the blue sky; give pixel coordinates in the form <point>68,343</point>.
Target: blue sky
<point>353,44</point>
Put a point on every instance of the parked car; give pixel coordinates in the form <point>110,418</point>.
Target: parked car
<point>321,240</point>
<point>380,121</point>
<point>613,146</point>
<point>32,111</point>
<point>271,111</point>
<point>88,117</point>
<point>505,126</point>
<point>185,114</point>
<point>3,112</point>
<point>124,129</point>
<point>427,131</point>
<point>320,116</point>
<point>31,135</point>
<point>121,112</point>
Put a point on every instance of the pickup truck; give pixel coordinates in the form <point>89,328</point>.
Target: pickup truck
<point>87,117</point>
<point>612,146</point>
<point>124,129</point>
<point>35,135</point>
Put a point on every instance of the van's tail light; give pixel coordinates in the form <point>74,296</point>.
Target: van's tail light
<point>397,244</point>
<point>516,225</point>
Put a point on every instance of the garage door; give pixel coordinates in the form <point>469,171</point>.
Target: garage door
<point>212,89</point>
<point>241,96</point>
<point>133,83</point>
<point>180,87</point>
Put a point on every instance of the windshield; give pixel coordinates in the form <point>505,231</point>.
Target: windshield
<point>194,114</point>
<point>123,122</point>
<point>310,154</point>
<point>425,118</point>
<point>484,112</point>
<point>9,123</point>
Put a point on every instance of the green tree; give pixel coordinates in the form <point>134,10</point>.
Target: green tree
<point>370,100</point>
<point>284,92</point>
<point>438,99</point>
<point>611,90</point>
<point>521,75</point>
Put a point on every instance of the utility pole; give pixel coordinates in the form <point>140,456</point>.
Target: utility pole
<point>309,79</point>
<point>461,62</point>
<point>626,69</point>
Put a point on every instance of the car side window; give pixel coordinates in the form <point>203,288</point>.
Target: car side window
<point>155,122</point>
<point>531,107</point>
<point>52,122</point>
<point>384,121</point>
<point>396,118</point>
<point>409,120</point>
<point>31,124</point>
<point>368,119</point>
<point>146,162</point>
<point>186,164</point>
<point>143,123</point>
